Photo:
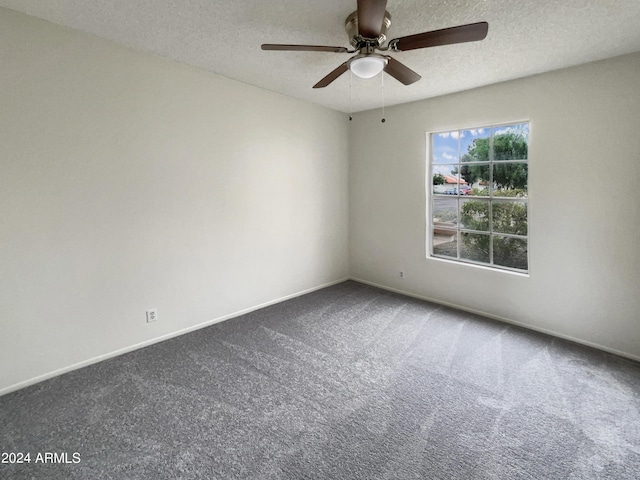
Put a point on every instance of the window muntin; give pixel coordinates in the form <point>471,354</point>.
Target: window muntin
<point>478,195</point>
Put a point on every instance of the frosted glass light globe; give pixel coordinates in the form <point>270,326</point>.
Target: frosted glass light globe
<point>367,67</point>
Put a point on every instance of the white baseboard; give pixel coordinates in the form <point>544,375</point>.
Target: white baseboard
<point>99,358</point>
<point>501,319</point>
<point>146,343</point>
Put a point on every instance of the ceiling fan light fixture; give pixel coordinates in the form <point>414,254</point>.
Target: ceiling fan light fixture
<point>367,66</point>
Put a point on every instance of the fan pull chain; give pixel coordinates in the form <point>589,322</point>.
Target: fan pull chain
<point>350,95</point>
<point>382,78</point>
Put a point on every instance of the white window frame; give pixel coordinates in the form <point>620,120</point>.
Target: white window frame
<point>490,198</point>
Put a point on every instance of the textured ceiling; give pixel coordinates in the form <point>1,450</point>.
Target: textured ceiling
<point>224,37</point>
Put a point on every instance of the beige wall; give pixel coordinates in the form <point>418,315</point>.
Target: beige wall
<point>584,278</point>
<point>129,182</point>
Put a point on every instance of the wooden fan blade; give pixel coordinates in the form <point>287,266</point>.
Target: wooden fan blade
<point>370,17</point>
<point>401,72</point>
<point>332,76</point>
<point>303,48</point>
<point>447,36</point>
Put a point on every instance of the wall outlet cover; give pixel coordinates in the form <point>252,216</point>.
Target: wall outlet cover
<point>152,315</point>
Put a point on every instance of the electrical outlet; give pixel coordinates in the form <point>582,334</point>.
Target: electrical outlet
<point>401,273</point>
<point>152,315</point>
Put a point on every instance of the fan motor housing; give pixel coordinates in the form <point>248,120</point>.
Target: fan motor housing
<point>351,26</point>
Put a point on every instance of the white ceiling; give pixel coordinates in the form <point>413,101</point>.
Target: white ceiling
<point>224,36</point>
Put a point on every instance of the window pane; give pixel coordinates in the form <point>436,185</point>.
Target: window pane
<point>445,212</point>
<point>445,179</point>
<point>511,142</point>
<point>476,178</point>
<point>445,147</point>
<point>474,214</point>
<point>474,145</point>
<point>475,246</point>
<point>510,179</point>
<point>510,252</point>
<point>509,217</point>
<point>445,242</point>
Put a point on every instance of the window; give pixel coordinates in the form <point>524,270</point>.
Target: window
<point>478,196</point>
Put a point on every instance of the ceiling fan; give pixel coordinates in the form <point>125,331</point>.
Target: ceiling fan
<point>366,28</point>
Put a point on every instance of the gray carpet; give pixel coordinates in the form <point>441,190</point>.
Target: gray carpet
<point>349,382</point>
